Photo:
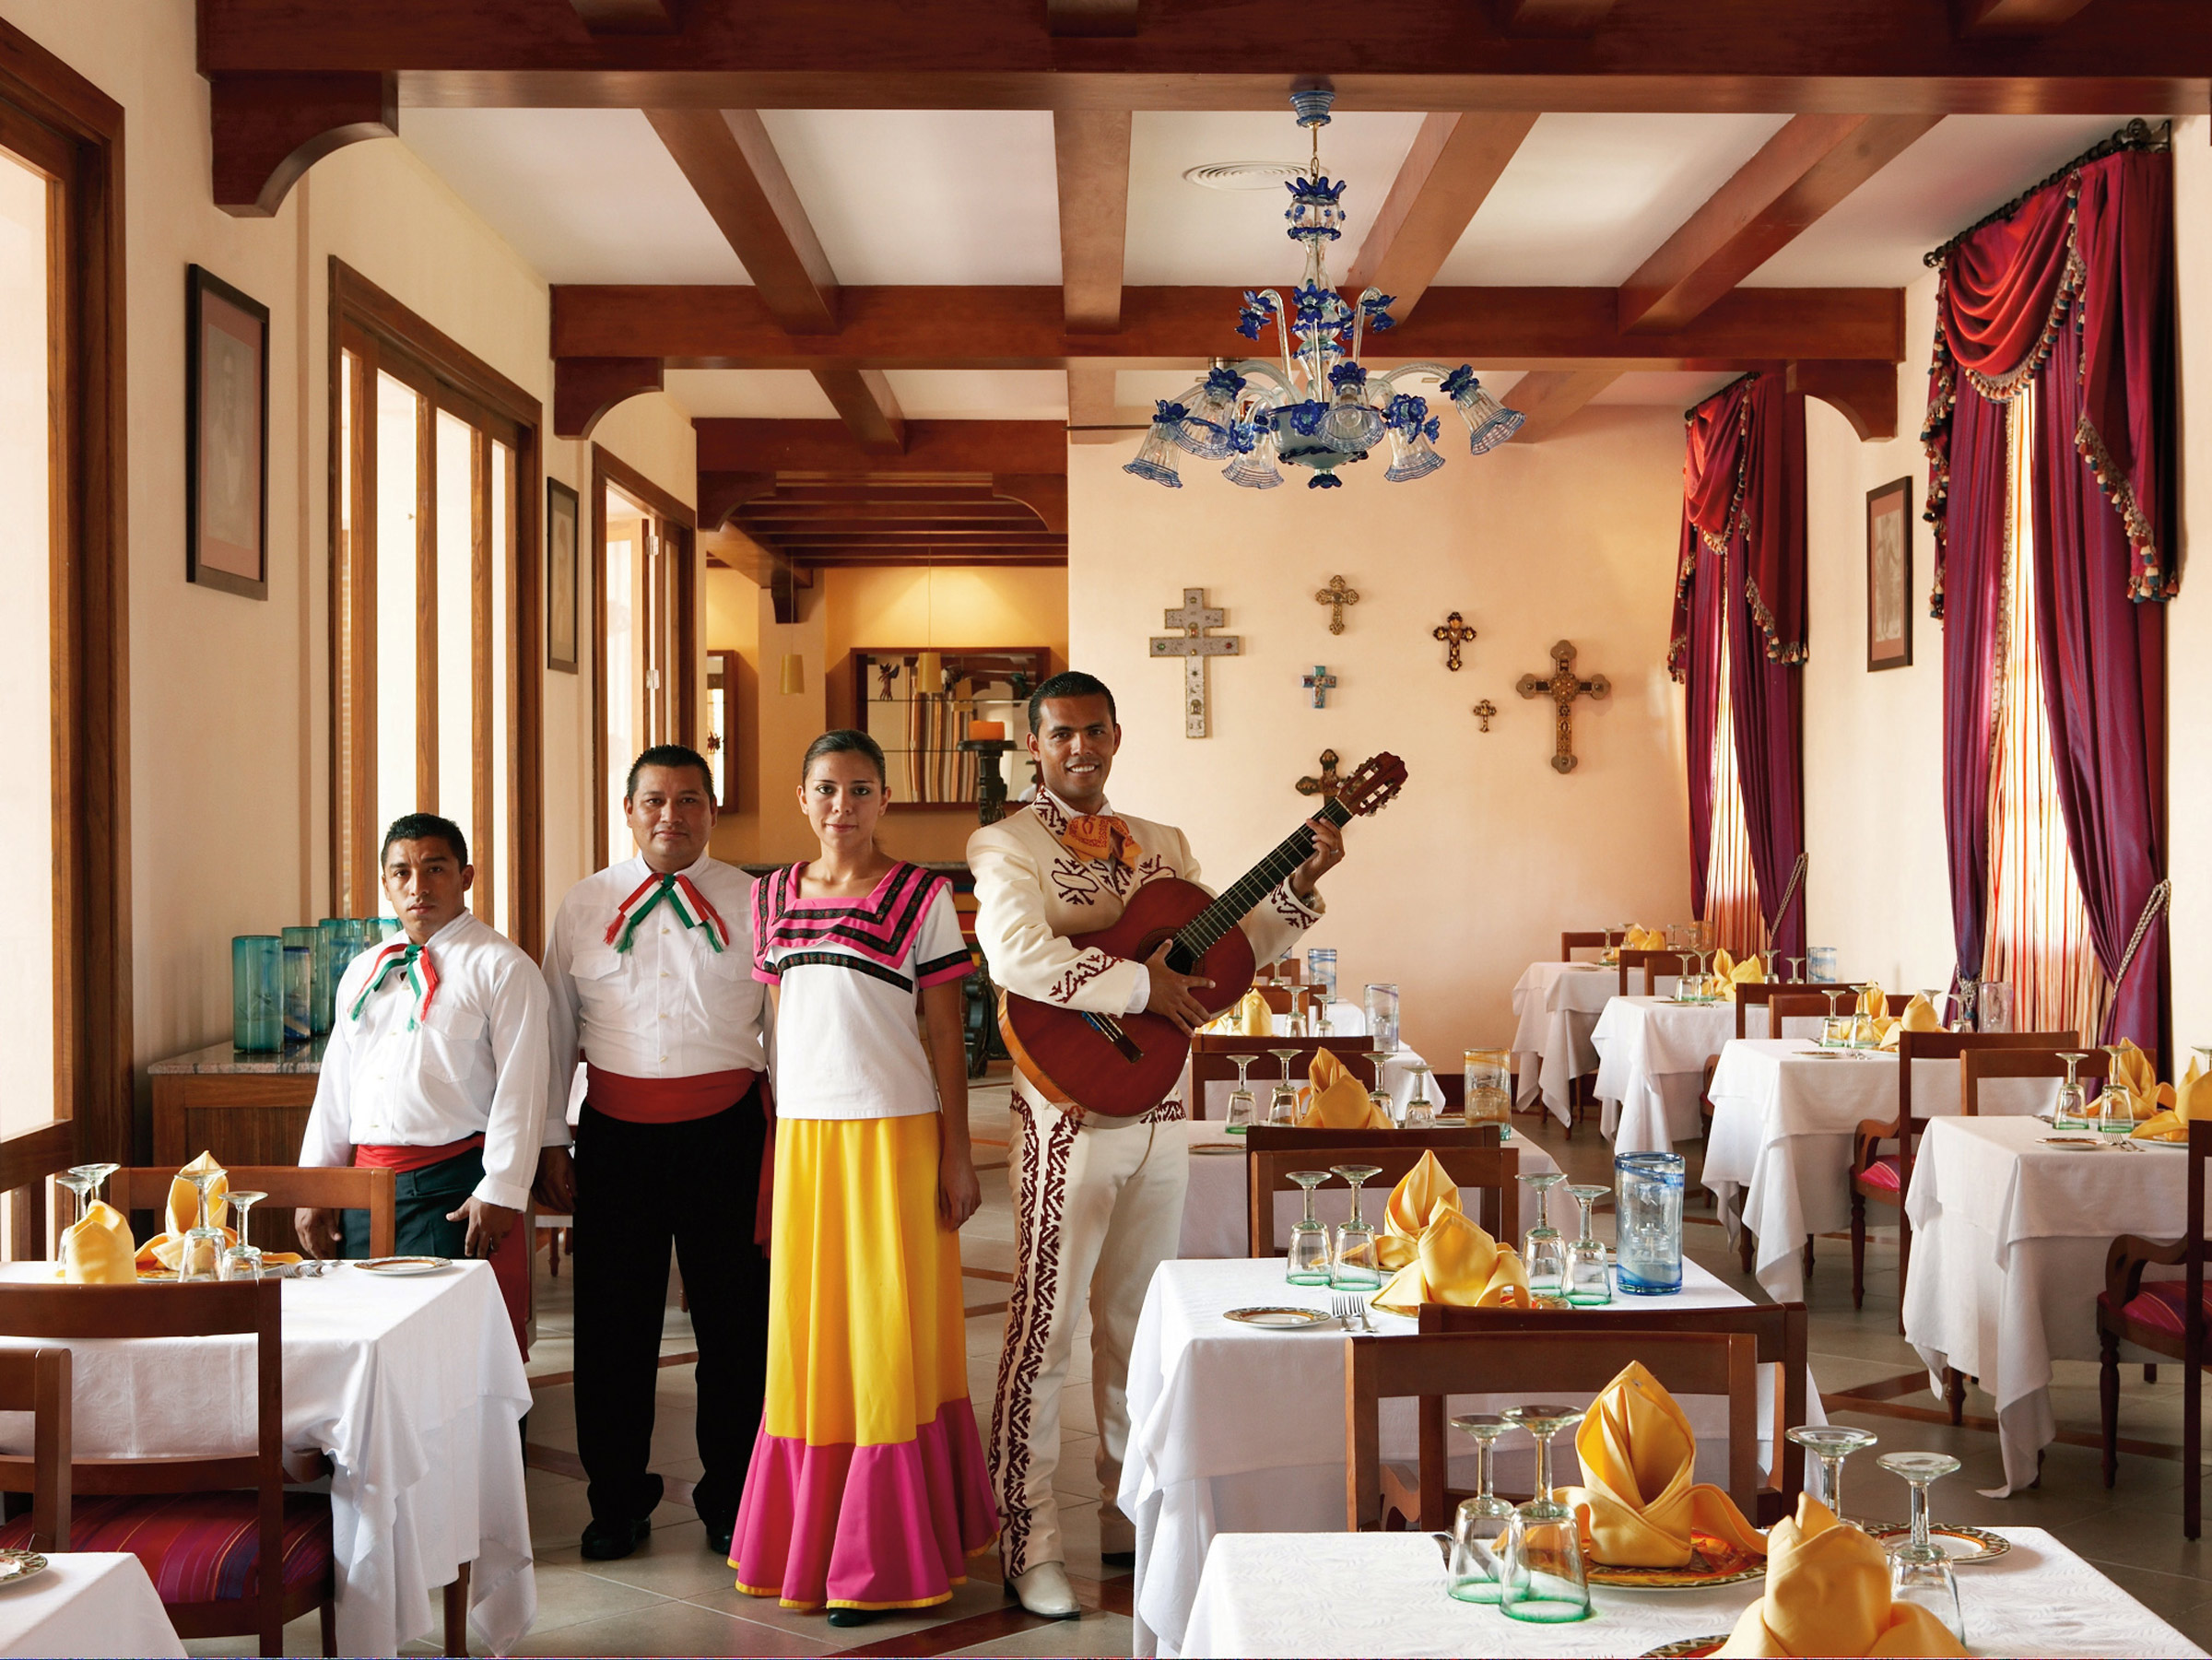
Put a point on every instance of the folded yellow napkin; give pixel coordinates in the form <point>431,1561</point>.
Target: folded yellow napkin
<point>1339,1101</point>
<point>1828,1592</point>
<point>2137,1075</point>
<point>1254,1017</point>
<point>167,1250</point>
<point>1412,1202</point>
<point>1750,972</point>
<point>1638,1503</point>
<point>1455,1262</point>
<point>96,1249</point>
<point>1919,1016</point>
<point>2191,1100</point>
<point>1872,1001</point>
<point>1643,939</point>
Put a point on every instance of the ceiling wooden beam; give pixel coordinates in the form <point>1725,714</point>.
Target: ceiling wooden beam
<point>1044,494</point>
<point>1445,178</point>
<point>630,17</point>
<point>923,328</point>
<point>1798,175</point>
<point>1044,561</point>
<point>2014,16</point>
<point>1865,393</point>
<point>1549,17</point>
<point>1079,19</point>
<point>931,446</point>
<point>585,388</point>
<point>730,492</point>
<point>726,155</point>
<point>1550,396</point>
<point>1091,159</point>
<point>865,403</point>
<point>267,130</point>
<point>1091,416</point>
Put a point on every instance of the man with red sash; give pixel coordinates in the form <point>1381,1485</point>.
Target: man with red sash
<point>650,965</point>
<point>436,1069</point>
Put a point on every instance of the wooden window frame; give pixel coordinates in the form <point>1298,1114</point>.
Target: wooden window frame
<point>679,524</point>
<point>390,339</point>
<point>57,120</point>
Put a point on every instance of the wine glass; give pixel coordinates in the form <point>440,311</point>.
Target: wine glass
<point>1485,1075</point>
<point>2071,1111</point>
<point>1309,1263</point>
<point>1920,1572</point>
<point>1479,1530</point>
<point>1419,1114</point>
<point>1377,1096</point>
<point>1861,1020</point>
<point>96,1175</point>
<point>1610,956</point>
<point>1797,973</point>
<point>1298,1025</point>
<point>1831,1445</point>
<point>1383,1015</point>
<point>1588,1283</point>
<point>203,1244</point>
<point>1240,1098</point>
<point>1282,1105</point>
<point>1357,1266</point>
<point>1968,1001</point>
<point>1542,1249</point>
<point>78,1181</point>
<point>1835,1032</point>
<point>1544,1581</point>
<point>2115,1113</point>
<point>242,1261</point>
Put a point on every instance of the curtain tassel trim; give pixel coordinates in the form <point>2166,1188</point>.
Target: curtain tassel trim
<point>2159,898</point>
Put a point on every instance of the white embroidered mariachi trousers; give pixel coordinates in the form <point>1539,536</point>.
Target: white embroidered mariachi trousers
<point>1096,1210</point>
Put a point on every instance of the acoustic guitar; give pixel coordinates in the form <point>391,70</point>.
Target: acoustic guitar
<point>1120,1065</point>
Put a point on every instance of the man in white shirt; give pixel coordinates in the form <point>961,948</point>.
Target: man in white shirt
<point>436,1069</point>
<point>651,969</point>
<point>1094,1208</point>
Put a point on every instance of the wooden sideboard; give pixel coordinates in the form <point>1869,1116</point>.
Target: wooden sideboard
<point>245,1107</point>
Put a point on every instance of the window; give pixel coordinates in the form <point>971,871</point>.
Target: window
<point>432,606</point>
<point>1731,885</point>
<point>647,670</point>
<point>2039,929</point>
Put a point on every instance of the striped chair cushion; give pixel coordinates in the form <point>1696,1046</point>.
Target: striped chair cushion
<point>1881,1173</point>
<point>2159,1308</point>
<point>198,1548</point>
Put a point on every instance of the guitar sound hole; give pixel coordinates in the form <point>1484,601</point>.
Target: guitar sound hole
<point>1181,960</point>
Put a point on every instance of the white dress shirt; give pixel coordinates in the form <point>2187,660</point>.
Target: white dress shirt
<point>669,1007</point>
<point>475,1063</point>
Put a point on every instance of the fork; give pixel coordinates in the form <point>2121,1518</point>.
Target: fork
<point>1349,1309</point>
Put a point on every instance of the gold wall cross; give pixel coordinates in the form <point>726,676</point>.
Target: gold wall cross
<point>1337,596</point>
<point>1562,688</point>
<point>1327,784</point>
<point>1454,633</point>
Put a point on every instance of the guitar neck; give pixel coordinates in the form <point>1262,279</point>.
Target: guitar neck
<point>1197,936</point>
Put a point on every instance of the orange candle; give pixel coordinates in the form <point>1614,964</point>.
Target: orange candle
<point>981,731</point>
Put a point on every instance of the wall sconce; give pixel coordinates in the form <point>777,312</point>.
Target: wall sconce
<point>794,674</point>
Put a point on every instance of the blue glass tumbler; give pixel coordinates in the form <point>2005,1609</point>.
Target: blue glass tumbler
<point>298,983</point>
<point>258,991</point>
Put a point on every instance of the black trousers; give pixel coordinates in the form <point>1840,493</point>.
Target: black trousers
<point>640,1189</point>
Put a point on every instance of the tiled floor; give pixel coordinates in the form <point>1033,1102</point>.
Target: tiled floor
<point>675,1597</point>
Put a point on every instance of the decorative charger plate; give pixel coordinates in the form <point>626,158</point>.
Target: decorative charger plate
<point>1963,1544</point>
<point>400,1266</point>
<point>1713,1562</point>
<point>16,1566</point>
<point>1211,1149</point>
<point>2172,1147</point>
<point>2079,1144</point>
<point>1689,1648</point>
<point>1281,1319</point>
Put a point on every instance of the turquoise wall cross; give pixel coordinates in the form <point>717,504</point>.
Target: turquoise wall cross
<point>1318,683</point>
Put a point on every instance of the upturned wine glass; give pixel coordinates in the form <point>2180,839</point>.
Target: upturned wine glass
<point>1862,1021</point>
<point>1357,1265</point>
<point>1377,1096</point>
<point>1419,1113</point>
<point>96,1175</point>
<point>242,1261</point>
<point>1479,1527</point>
<point>80,1185</point>
<point>1920,1570</point>
<point>1831,1445</point>
<point>2115,1113</point>
<point>1309,1263</point>
<point>1544,1580</point>
<point>1282,1105</point>
<point>202,1243</point>
<point>1543,1251</point>
<point>1835,1023</point>
<point>1797,973</point>
<point>1589,1285</point>
<point>2071,1109</point>
<point>1240,1099</point>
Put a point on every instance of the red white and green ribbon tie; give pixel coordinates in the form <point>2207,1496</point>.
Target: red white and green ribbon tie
<point>414,962</point>
<point>682,897</point>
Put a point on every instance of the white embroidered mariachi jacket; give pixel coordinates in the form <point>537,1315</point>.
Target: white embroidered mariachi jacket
<point>1032,894</point>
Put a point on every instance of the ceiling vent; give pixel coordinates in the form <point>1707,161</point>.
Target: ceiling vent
<point>1244,175</point>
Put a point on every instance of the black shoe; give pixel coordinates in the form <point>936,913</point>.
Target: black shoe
<point>1118,1559</point>
<point>847,1616</point>
<point>605,1541</point>
<point>718,1539</point>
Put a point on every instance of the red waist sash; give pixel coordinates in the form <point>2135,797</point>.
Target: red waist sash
<point>401,1160</point>
<point>665,1100</point>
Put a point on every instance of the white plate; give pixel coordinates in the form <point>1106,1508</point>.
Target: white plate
<point>1281,1319</point>
<point>400,1267</point>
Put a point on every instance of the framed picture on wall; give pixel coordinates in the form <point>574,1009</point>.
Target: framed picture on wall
<point>225,437</point>
<point>560,576</point>
<point>1890,576</point>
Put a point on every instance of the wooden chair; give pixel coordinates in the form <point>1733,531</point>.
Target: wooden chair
<point>26,1162</point>
<point>2166,1317</point>
<point>37,1381</point>
<point>1587,940</point>
<point>189,1518</point>
<point>1781,1330</point>
<point>1537,1364</point>
<point>1761,994</point>
<point>1472,1158</point>
<point>1978,1064</point>
<point>1649,966</point>
<point>1885,1178</point>
<point>290,1187</point>
<point>1278,998</point>
<point>1212,1062</point>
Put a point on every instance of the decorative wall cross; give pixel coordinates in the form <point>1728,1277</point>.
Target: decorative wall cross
<point>1454,633</point>
<point>1327,784</point>
<point>1562,689</point>
<point>1484,711</point>
<point>1320,683</point>
<point>1337,596</point>
<point>1194,645</point>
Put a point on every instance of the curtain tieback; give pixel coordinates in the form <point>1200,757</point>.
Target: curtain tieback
<point>2157,902</point>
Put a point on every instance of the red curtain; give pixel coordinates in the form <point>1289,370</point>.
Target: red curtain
<point>2073,298</point>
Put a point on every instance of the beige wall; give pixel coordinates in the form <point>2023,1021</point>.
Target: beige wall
<point>1489,854</point>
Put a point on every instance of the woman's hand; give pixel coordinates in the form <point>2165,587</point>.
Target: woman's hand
<point>958,1191</point>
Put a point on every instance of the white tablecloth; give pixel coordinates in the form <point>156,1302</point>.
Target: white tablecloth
<point>1368,1593</point>
<point>1216,1219</point>
<point>413,1387</point>
<point>1777,1157</point>
<point>2008,1244</point>
<point>1233,1429</point>
<point>86,1603</point>
<point>1555,1006</point>
<point>1651,1055</point>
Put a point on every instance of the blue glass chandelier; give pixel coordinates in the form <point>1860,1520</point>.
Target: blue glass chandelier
<point>1320,408</point>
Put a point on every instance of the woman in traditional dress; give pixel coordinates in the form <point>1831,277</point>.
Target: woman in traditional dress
<point>867,1490</point>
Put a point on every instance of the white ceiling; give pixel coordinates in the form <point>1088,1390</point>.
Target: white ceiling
<point>967,197</point>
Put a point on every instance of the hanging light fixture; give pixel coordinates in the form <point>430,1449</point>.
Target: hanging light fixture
<point>1320,408</point>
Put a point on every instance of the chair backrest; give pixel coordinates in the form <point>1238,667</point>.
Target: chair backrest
<point>1536,1364</point>
<point>1781,1330</point>
<point>1212,1062</point>
<point>1278,998</point>
<point>1471,1156</point>
<point>1651,965</point>
<point>37,1381</point>
<point>1760,994</point>
<point>1793,1003</point>
<point>28,1162</point>
<point>290,1187</point>
<point>1588,939</point>
<point>1948,1046</point>
<point>1975,1065</point>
